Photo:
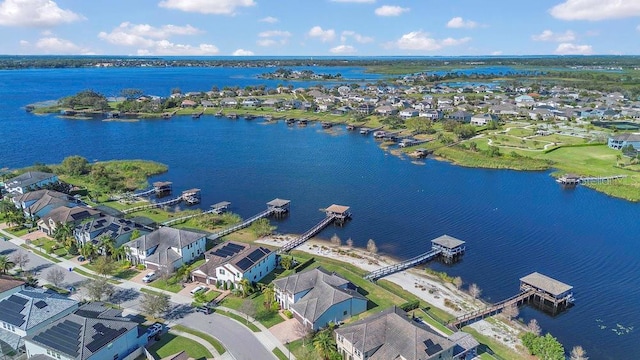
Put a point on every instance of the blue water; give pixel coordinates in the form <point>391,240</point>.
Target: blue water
<point>514,222</point>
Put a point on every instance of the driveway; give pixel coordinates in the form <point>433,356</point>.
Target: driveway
<point>287,331</point>
<point>39,266</point>
<point>239,341</point>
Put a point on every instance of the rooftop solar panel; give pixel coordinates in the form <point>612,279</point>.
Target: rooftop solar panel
<point>244,264</point>
<point>11,306</point>
<point>256,255</point>
<point>15,319</point>
<point>18,299</point>
<point>234,247</point>
<point>103,336</point>
<point>40,304</point>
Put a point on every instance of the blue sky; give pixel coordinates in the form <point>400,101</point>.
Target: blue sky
<point>319,27</point>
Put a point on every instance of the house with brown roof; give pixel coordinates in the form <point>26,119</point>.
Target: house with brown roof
<point>9,286</point>
<point>391,334</point>
<point>231,262</point>
<point>39,203</point>
<point>317,297</point>
<point>64,215</point>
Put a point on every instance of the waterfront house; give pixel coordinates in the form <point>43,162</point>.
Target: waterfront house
<point>228,102</point>
<point>272,102</point>
<point>619,141</point>
<point>408,113</point>
<point>386,110</point>
<point>230,262</point>
<point>188,104</point>
<point>166,248</point>
<point>317,297</point>
<point>431,114</point>
<point>29,181</point>
<point>107,226</point>
<point>93,332</point>
<point>29,310</point>
<point>483,119</point>
<point>460,116</point>
<point>251,102</point>
<point>391,334</point>
<point>64,214</point>
<point>37,204</point>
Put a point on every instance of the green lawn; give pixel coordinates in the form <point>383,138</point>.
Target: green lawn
<point>171,284</point>
<point>266,318</point>
<point>239,318</point>
<point>170,344</point>
<point>521,132</point>
<point>44,255</point>
<point>211,294</point>
<point>215,343</point>
<point>126,274</point>
<point>279,354</point>
<point>489,346</point>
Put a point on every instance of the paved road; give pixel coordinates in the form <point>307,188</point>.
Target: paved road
<point>39,266</point>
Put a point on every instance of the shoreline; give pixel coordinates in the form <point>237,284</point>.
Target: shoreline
<point>416,281</point>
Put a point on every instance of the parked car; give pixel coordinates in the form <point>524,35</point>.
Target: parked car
<point>154,330</point>
<point>81,258</point>
<point>197,289</point>
<point>149,277</point>
<point>204,309</point>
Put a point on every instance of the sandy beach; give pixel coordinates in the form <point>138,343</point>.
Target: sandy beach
<point>416,281</point>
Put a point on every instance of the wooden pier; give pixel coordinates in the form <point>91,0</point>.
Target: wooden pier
<point>153,205</point>
<point>191,196</point>
<point>275,206</point>
<point>197,115</point>
<point>162,188</point>
<point>218,208</point>
<point>420,153</point>
<point>366,131</point>
<point>406,142</point>
<point>335,213</point>
<point>541,291</point>
<point>448,248</point>
<point>326,125</point>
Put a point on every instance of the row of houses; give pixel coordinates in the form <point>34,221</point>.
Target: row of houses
<point>46,326</point>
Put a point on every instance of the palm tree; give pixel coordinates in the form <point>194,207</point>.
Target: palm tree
<point>119,253</point>
<point>107,245</point>
<point>88,250</point>
<point>269,295</point>
<point>184,271</point>
<point>245,287</point>
<point>5,264</point>
<point>324,344</point>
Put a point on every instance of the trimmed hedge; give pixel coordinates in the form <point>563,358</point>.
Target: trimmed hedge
<point>304,265</point>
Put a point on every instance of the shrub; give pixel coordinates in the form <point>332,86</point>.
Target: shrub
<point>140,267</point>
<point>288,314</point>
<point>410,305</point>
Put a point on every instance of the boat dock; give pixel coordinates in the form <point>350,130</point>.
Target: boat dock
<point>572,179</point>
<point>218,208</point>
<point>366,131</point>
<point>153,205</point>
<point>541,291</point>
<point>197,115</point>
<point>406,142</point>
<point>447,247</point>
<point>335,213</point>
<point>275,206</point>
<point>191,196</point>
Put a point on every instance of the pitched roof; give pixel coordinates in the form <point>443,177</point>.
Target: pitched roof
<point>322,297</point>
<point>31,307</point>
<point>306,280</point>
<point>79,336</point>
<point>390,334</point>
<point>65,214</point>
<point>447,241</point>
<point>51,199</point>
<point>543,282</point>
<point>241,256</point>
<point>7,283</point>
<point>29,178</point>
<point>626,137</point>
<point>166,236</point>
<point>107,225</point>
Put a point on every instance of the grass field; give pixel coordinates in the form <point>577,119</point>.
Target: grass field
<point>215,343</point>
<point>170,344</point>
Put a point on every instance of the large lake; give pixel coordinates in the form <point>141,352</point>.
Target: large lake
<point>514,222</point>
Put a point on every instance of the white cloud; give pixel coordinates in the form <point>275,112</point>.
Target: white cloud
<point>242,52</point>
<point>151,40</point>
<point>54,45</point>
<point>24,43</point>
<point>548,35</point>
<point>357,37</point>
<point>595,9</point>
<point>573,49</point>
<point>35,13</point>
<point>217,7</point>
<point>389,10</point>
<point>420,41</point>
<point>269,19</point>
<point>323,35</point>
<point>460,23</point>
<point>355,1</point>
<point>343,49</point>
<point>273,37</point>
<point>496,53</point>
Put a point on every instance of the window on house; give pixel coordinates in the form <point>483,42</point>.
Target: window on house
<point>115,357</point>
<point>344,313</point>
<point>222,271</point>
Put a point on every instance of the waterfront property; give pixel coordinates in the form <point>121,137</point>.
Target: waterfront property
<point>29,310</point>
<point>230,262</point>
<point>63,215</point>
<point>392,334</point>
<point>335,213</point>
<point>120,230</point>
<point>162,188</point>
<point>317,297</point>
<point>166,248</point>
<point>619,141</point>
<point>37,204</point>
<point>93,332</point>
<point>277,207</point>
<point>29,181</point>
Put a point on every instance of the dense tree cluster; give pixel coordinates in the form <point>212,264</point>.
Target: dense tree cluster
<point>86,100</point>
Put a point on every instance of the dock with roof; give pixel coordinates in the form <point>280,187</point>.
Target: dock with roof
<point>335,214</point>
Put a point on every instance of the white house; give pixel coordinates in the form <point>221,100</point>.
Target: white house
<point>483,119</point>
<point>91,334</point>
<point>166,248</point>
<point>231,262</point>
<point>24,313</point>
<point>29,181</point>
<point>317,297</point>
<point>408,113</point>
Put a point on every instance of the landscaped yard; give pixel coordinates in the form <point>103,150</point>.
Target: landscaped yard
<point>171,284</point>
<point>170,344</point>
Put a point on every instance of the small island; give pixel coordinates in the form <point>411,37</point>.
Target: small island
<point>288,74</point>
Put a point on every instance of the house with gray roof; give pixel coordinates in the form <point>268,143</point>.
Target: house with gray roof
<point>88,335</point>
<point>621,140</point>
<point>24,313</point>
<point>166,248</point>
<point>317,297</point>
<point>230,262</point>
<point>107,226</point>
<point>63,215</point>
<point>38,203</point>
<point>29,181</point>
<point>391,334</point>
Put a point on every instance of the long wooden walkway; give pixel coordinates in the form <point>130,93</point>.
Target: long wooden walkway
<point>601,179</point>
<point>215,209</point>
<point>391,269</point>
<point>153,205</point>
<point>307,235</point>
<point>145,192</point>
<point>494,309</point>
<point>241,225</point>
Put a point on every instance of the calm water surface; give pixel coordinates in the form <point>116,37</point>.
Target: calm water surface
<point>514,222</point>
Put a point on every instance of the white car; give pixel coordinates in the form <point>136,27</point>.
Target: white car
<point>149,277</point>
<point>197,289</point>
<point>154,330</point>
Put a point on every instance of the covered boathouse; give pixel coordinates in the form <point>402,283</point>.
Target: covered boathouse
<point>279,207</point>
<point>451,249</point>
<point>339,212</point>
<point>550,295</point>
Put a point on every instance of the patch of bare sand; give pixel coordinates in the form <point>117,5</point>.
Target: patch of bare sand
<point>429,288</point>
